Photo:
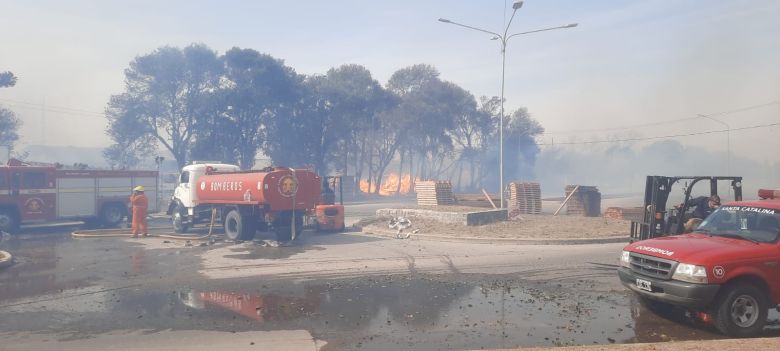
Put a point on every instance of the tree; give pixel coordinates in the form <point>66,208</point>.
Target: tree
<point>7,79</point>
<point>411,79</point>
<point>331,119</point>
<point>353,99</point>
<point>520,145</point>
<point>431,106</point>
<point>293,137</point>
<point>257,90</point>
<point>470,134</point>
<point>169,89</point>
<point>9,124</point>
<point>133,139</point>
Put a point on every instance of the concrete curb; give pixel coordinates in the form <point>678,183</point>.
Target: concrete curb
<point>521,241</point>
<point>6,259</point>
<point>694,345</point>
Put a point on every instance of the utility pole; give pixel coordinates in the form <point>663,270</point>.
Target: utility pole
<point>504,40</point>
<point>43,121</point>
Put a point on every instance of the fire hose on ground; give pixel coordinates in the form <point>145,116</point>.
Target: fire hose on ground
<point>121,233</point>
<point>5,259</point>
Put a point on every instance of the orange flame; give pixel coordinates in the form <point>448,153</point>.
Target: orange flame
<point>390,185</point>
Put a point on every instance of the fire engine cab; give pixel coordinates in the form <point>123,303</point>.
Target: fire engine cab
<point>727,271</point>
<point>39,194</point>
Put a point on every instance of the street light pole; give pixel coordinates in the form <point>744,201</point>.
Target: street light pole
<point>504,41</point>
<point>728,140</point>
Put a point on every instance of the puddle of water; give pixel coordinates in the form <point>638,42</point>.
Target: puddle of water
<point>257,250</point>
<point>432,313</point>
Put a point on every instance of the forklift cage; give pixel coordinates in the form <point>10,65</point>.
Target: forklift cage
<point>656,221</point>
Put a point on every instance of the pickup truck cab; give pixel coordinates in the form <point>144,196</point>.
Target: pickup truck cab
<point>728,269</point>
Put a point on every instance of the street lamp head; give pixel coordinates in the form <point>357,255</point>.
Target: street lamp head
<point>571,25</point>
<point>444,20</point>
<point>517,5</point>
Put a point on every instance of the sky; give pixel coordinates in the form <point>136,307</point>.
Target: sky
<point>624,72</point>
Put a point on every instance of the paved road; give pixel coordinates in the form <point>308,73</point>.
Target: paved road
<point>329,292</point>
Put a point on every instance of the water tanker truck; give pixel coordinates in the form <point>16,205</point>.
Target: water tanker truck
<point>272,199</point>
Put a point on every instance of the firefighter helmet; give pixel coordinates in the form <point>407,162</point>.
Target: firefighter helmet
<point>139,188</point>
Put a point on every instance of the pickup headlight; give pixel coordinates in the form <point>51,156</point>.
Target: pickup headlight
<point>690,273</point>
<point>625,259</point>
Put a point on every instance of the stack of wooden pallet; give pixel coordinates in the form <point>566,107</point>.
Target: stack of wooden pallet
<point>627,213</point>
<point>434,192</point>
<point>526,197</point>
<point>585,202</point>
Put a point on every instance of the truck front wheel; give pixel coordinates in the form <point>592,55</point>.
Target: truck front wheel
<point>742,311</point>
<point>177,219</point>
<point>238,226</point>
<point>8,221</point>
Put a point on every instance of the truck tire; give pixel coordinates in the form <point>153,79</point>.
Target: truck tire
<point>112,214</point>
<point>180,226</point>
<point>742,311</point>
<point>9,222</point>
<point>238,226</point>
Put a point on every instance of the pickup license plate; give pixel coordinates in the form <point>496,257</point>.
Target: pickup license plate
<point>644,285</point>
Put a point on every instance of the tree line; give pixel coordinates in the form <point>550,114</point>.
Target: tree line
<point>200,105</point>
<point>9,123</point>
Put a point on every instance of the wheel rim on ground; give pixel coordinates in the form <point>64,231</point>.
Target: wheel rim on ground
<point>744,311</point>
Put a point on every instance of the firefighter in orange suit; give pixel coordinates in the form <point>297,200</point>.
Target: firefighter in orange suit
<point>139,203</point>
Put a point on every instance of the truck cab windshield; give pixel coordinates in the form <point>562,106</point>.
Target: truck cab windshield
<point>751,223</point>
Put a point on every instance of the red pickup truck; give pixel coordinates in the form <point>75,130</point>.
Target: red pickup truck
<point>727,270</point>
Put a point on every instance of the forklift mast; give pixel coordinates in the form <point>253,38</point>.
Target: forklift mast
<point>660,219</point>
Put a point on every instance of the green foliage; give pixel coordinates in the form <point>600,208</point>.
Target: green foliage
<point>256,90</point>
<point>230,107</point>
<point>166,92</point>
<point>7,79</point>
<point>9,125</point>
<point>133,136</point>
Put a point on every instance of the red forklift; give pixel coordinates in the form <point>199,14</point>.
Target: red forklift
<point>328,215</point>
<point>660,219</point>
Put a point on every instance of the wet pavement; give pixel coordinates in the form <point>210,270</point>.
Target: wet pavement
<point>77,289</point>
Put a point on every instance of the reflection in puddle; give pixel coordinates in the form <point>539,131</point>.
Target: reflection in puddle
<point>260,308</point>
<point>425,314</point>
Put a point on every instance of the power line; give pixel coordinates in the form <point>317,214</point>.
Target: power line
<point>50,108</point>
<point>660,136</point>
<point>652,124</point>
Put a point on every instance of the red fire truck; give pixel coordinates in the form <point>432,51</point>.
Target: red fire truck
<point>40,194</point>
<point>276,198</point>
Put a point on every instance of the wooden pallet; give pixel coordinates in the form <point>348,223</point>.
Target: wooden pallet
<point>577,205</point>
<point>626,213</point>
<point>525,197</point>
<point>434,192</point>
